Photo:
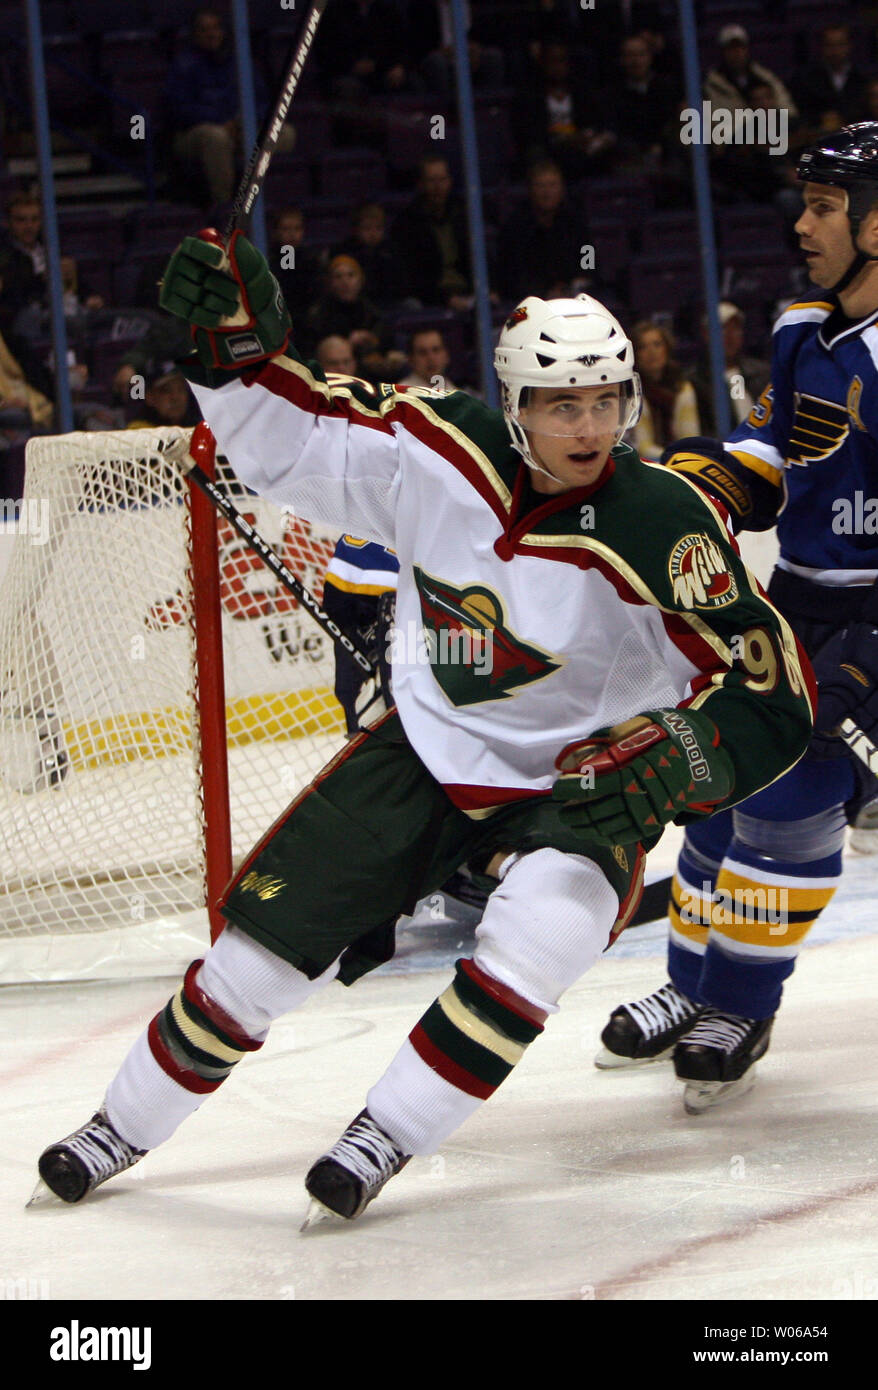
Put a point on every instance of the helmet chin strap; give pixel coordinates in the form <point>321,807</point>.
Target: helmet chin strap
<point>861,258</point>
<point>532,464</point>
<point>860,261</point>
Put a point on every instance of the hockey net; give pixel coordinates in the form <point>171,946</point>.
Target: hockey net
<point>106,825</point>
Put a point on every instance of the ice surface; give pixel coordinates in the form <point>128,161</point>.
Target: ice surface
<point>569,1184</point>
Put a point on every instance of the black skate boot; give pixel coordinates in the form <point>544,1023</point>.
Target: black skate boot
<point>344,1181</point>
<point>716,1057</point>
<point>78,1164</point>
<point>646,1030</point>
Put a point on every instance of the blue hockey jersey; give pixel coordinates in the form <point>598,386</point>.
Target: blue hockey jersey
<point>813,435</point>
<point>362,567</point>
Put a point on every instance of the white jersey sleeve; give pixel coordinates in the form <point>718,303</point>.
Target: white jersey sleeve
<point>312,445</point>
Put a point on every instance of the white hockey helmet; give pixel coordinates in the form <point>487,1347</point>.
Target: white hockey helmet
<point>563,342</point>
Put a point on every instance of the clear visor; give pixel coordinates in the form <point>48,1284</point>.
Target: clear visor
<point>577,412</point>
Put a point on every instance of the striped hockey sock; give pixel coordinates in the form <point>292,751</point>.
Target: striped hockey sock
<point>456,1056</point>
<point>194,1040</point>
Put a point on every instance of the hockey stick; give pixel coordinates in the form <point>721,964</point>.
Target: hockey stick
<point>248,191</point>
<point>257,166</point>
<point>861,747</point>
<point>183,456</point>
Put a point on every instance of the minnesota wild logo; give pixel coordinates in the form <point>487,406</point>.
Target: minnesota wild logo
<point>699,574</point>
<point>473,653</point>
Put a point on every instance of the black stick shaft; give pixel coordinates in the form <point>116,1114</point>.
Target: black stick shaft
<point>254,175</point>
<point>273,562</point>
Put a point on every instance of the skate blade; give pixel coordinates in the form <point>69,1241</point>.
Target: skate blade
<point>316,1213</point>
<point>41,1194</point>
<point>704,1095</point>
<point>609,1061</point>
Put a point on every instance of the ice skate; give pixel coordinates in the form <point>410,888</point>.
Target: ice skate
<point>343,1181</point>
<point>716,1058</point>
<point>78,1164</point>
<point>647,1029</point>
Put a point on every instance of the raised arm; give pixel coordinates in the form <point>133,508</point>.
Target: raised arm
<point>326,447</point>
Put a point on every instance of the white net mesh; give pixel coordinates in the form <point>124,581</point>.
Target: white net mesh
<point>101,834</point>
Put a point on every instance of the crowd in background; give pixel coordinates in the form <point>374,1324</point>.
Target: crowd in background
<point>587,107</point>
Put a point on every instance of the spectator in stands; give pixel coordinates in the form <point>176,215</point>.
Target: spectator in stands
<point>167,399</point>
<point>299,268</point>
<point>428,360</point>
<point>369,246</point>
<point>540,246</point>
<point>743,172</point>
<point>344,311</point>
<point>746,377</point>
<point>336,354</point>
<point>23,269</point>
<point>435,36</point>
<point>24,410</point>
<point>670,410</point>
<point>560,118</point>
<point>201,96</point>
<point>22,258</point>
<point>641,106</point>
<point>608,23</point>
<point>832,91</point>
<point>429,242</point>
<point>728,85</point>
<point>363,46</point>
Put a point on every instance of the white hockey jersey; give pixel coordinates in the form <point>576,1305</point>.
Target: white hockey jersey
<point>517,632</point>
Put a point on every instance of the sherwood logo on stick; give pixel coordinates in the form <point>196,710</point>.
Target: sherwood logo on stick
<point>75,1343</point>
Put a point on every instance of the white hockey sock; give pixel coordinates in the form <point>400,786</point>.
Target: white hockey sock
<point>221,1011</point>
<point>543,927</point>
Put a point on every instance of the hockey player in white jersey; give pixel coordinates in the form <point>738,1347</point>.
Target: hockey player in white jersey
<point>566,685</point>
<point>806,459</point>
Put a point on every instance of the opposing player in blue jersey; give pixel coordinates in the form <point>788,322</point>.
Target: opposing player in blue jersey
<point>751,881</point>
<point>358,594</point>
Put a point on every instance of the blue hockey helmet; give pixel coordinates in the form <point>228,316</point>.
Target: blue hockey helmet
<point>847,159</point>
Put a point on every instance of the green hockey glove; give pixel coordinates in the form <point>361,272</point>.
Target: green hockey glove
<point>230,299</point>
<point>625,783</point>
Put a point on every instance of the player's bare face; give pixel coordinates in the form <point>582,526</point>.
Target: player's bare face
<point>570,431</point>
<point>824,233</point>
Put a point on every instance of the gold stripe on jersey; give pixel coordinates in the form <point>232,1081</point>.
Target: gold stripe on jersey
<point>808,304</point>
<point>790,652</point>
<point>388,405</point>
<point>635,581</point>
<point>791,660</point>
